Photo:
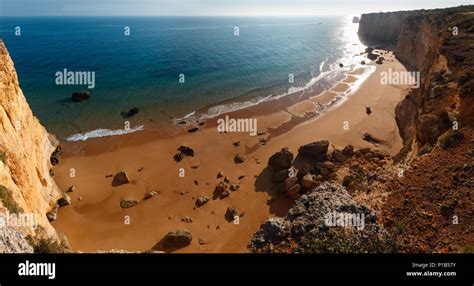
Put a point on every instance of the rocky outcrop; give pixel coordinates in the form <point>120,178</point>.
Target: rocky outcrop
<point>323,221</point>
<point>25,149</point>
<point>13,241</point>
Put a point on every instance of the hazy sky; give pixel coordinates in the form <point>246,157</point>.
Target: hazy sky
<point>213,7</point>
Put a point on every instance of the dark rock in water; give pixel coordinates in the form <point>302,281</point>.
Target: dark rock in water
<point>341,65</point>
<point>355,20</point>
<point>379,61</point>
<point>238,159</point>
<point>54,159</point>
<point>281,160</point>
<point>316,150</point>
<point>230,214</point>
<point>362,62</point>
<point>369,50</point>
<point>188,151</point>
<point>80,96</point>
<point>368,110</point>
<point>174,240</point>
<point>125,204</point>
<point>131,112</point>
<point>120,178</point>
<point>194,129</point>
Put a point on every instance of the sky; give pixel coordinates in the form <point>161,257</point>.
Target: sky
<point>213,7</point>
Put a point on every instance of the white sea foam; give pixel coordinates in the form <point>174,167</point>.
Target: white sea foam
<point>103,133</point>
<point>188,115</point>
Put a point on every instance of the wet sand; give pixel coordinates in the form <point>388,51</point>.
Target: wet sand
<point>97,222</point>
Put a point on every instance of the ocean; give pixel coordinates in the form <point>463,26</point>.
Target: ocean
<point>169,67</point>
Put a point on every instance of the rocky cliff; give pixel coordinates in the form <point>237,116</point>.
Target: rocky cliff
<point>435,121</point>
<point>439,45</point>
<point>26,186</point>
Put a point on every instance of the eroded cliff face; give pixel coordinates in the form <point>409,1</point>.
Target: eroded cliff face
<point>439,45</point>
<point>26,186</point>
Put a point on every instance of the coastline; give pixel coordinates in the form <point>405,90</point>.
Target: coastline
<point>96,222</point>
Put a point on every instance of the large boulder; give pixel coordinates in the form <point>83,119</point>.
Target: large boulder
<point>174,240</point>
<point>316,150</point>
<point>131,112</point>
<point>280,160</point>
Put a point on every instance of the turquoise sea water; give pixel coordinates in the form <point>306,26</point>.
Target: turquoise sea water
<point>143,69</point>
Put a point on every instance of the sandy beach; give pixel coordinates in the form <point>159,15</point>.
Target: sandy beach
<point>95,220</point>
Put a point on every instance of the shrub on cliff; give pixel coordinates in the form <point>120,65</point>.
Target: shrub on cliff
<point>43,244</point>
